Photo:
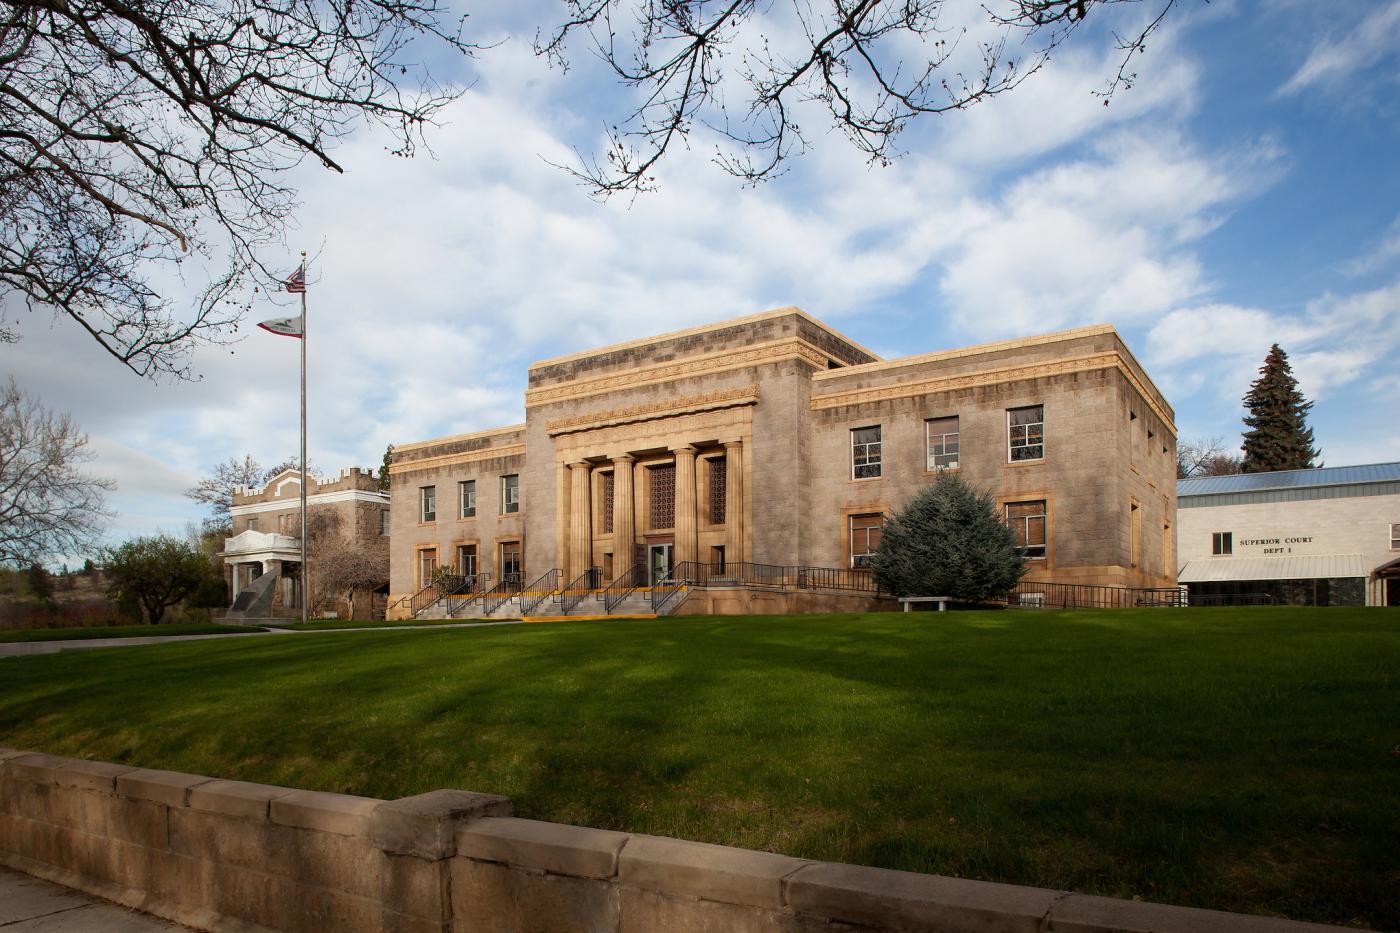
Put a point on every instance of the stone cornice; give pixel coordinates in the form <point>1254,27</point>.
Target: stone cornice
<point>1079,364</point>
<point>730,398</point>
<point>772,351</point>
<point>466,456</point>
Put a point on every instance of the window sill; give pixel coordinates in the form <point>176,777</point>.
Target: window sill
<point>1017,464</point>
<point>866,479</point>
<point>948,471</point>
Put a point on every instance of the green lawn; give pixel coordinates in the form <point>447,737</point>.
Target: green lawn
<point>1237,759</point>
<point>121,631</point>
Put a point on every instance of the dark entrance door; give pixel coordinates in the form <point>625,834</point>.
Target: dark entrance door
<point>1392,591</point>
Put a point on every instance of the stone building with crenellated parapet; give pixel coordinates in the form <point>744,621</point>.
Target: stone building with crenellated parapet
<point>774,440</point>
<point>266,536</point>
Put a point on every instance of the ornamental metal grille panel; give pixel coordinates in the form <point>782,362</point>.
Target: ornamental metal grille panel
<point>608,503</point>
<point>663,495</point>
<point>719,479</point>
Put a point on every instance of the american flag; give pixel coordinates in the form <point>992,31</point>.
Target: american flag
<point>297,283</point>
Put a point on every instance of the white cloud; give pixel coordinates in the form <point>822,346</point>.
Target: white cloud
<point>1333,59</point>
<point>1385,253</point>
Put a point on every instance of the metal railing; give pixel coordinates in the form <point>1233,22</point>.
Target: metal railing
<point>672,583</point>
<point>500,594</point>
<point>420,600</point>
<point>585,583</point>
<point>624,586</point>
<point>776,576</point>
<point>543,588</point>
<point>472,586</point>
<point>855,579</point>
<point>1086,596</point>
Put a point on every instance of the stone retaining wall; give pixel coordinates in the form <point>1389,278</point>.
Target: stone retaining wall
<point>249,858</point>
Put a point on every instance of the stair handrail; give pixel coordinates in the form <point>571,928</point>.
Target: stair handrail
<point>500,594</point>
<point>473,584</point>
<point>624,586</point>
<point>585,583</point>
<point>420,600</point>
<point>544,587</point>
<point>679,577</point>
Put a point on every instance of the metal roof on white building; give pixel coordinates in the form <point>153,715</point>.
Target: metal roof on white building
<point>1289,479</point>
<point>1292,567</point>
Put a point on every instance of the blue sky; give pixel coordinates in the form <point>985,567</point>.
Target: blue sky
<point>1245,191</point>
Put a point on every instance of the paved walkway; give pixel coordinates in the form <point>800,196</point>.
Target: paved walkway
<point>29,905</point>
<point>19,649</point>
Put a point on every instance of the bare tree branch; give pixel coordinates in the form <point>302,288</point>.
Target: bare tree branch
<point>139,136</point>
<point>49,507</point>
<point>853,61</point>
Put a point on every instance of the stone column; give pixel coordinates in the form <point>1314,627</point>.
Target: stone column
<point>580,521</point>
<point>687,527</point>
<point>624,519</point>
<point>733,502</point>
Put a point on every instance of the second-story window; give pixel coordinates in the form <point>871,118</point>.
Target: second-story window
<point>510,493</point>
<point>1222,542</point>
<point>383,521</point>
<point>865,452</point>
<point>466,498</point>
<point>253,523</point>
<point>1025,433</point>
<point>427,500</point>
<point>942,434</point>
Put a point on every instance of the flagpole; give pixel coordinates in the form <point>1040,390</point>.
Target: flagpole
<point>305,567</point>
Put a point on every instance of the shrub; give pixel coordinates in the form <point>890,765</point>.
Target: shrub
<point>949,540</point>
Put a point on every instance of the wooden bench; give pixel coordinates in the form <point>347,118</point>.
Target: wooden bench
<point>942,601</point>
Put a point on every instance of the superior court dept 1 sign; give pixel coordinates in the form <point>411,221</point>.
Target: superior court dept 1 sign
<point>1275,545</point>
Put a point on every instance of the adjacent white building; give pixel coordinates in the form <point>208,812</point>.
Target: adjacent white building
<point>1326,537</point>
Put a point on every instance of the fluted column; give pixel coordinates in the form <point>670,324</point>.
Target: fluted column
<point>687,527</point>
<point>580,521</point>
<point>624,519</point>
<point>733,501</point>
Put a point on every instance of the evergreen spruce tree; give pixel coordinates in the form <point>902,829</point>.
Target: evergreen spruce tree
<point>949,540</point>
<point>1278,437</point>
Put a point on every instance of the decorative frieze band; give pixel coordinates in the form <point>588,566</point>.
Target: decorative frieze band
<point>466,456</point>
<point>721,361</point>
<point>1097,361</point>
<point>729,398</point>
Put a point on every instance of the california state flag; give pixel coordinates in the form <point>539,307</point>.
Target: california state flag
<point>283,326</point>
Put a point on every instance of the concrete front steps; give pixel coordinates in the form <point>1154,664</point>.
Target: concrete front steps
<point>634,606</point>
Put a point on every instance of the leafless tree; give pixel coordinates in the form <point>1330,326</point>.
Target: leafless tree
<point>49,506</point>
<point>853,60</point>
<point>141,137</point>
<point>342,568</point>
<point>216,490</point>
<point>1205,457</point>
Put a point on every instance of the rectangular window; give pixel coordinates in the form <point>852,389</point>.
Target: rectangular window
<point>719,481</point>
<point>865,452</point>
<point>252,523</point>
<point>1222,542</point>
<point>466,560</point>
<point>609,486</point>
<point>510,493</point>
<point>510,561</point>
<point>865,538</point>
<point>466,498</point>
<point>1134,535</point>
<point>427,566</point>
<point>427,500</point>
<point>384,521</point>
<point>942,436</point>
<point>1025,433</point>
<point>1395,537</point>
<point>1027,522</point>
<point>662,480</point>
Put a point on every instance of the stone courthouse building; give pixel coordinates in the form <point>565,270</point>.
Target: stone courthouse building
<point>773,439</point>
<point>266,541</point>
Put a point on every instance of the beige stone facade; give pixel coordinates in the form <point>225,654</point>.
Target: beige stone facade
<point>267,530</point>
<point>773,439</point>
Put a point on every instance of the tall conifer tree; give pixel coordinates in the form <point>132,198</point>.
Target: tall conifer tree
<point>1278,437</point>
